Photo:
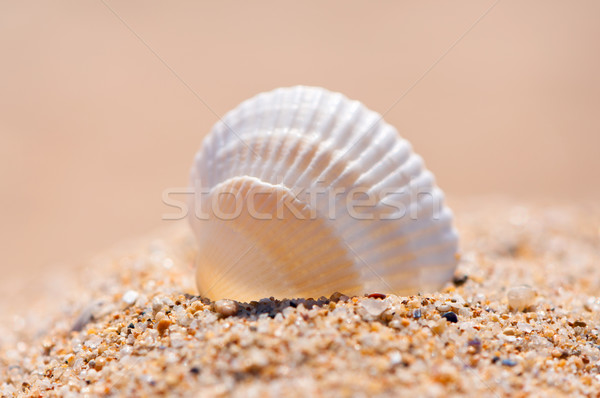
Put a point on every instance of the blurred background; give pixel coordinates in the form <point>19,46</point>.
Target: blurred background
<point>499,98</point>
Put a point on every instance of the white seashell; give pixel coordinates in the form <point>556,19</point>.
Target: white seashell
<point>277,178</point>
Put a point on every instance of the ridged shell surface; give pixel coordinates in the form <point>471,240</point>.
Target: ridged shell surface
<point>301,192</point>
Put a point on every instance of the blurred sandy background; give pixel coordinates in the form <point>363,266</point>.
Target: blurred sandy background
<point>93,126</point>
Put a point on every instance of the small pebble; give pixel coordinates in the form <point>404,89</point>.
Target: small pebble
<point>580,324</point>
<point>520,297</point>
<point>510,331</point>
<point>395,358</point>
<point>443,308</point>
<point>336,296</point>
<point>226,308</point>
<point>524,327</point>
<point>439,326</point>
<point>450,317</point>
<point>163,325</point>
<point>509,362</point>
<point>475,345</point>
<point>130,297</point>
<point>557,353</point>
<point>373,307</point>
<point>460,280</point>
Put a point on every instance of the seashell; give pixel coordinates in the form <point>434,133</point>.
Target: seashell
<point>301,192</point>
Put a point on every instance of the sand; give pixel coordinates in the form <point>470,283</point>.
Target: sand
<point>520,318</point>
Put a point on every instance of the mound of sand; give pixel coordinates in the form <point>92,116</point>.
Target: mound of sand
<point>520,317</point>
